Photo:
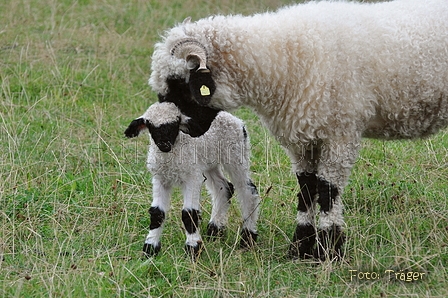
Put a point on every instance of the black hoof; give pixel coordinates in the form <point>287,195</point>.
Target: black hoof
<point>214,232</point>
<point>248,239</point>
<point>303,242</point>
<point>329,254</point>
<point>150,250</point>
<point>330,244</point>
<point>295,252</point>
<point>194,251</point>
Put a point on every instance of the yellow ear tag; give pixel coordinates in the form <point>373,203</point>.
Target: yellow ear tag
<point>204,90</point>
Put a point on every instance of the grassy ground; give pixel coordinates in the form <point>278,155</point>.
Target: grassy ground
<point>74,193</point>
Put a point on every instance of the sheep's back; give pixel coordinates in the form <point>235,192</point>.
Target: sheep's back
<point>310,70</point>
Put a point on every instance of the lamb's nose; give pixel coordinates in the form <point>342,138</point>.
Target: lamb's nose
<point>164,146</point>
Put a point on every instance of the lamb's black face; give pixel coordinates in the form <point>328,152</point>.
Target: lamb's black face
<point>165,135</point>
<point>179,93</point>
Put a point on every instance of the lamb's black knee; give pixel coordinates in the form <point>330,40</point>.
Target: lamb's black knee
<point>308,190</point>
<point>190,218</point>
<point>157,217</point>
<point>327,194</point>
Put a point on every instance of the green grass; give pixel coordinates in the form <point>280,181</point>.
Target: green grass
<point>74,193</point>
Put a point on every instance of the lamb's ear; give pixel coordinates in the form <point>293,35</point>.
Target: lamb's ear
<point>202,86</point>
<point>135,128</point>
<point>184,123</point>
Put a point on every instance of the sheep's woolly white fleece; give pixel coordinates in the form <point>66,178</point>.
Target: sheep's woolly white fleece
<point>326,70</point>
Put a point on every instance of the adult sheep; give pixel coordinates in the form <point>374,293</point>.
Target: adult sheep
<point>321,76</point>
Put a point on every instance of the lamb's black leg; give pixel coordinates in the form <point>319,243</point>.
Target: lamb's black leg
<point>193,245</point>
<point>152,243</point>
<point>304,238</point>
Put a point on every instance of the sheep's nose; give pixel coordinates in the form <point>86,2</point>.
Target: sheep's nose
<point>164,146</point>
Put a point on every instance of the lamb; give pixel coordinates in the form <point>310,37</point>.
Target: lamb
<point>177,159</point>
<point>321,76</point>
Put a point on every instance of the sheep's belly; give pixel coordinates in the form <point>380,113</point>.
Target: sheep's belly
<point>407,124</point>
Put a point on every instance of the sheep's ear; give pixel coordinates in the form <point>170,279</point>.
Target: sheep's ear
<point>135,128</point>
<point>184,123</point>
<point>187,20</point>
<point>191,127</point>
<point>202,86</point>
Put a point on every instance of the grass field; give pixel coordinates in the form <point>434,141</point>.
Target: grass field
<point>74,193</point>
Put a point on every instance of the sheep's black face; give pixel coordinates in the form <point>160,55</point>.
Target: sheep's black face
<point>202,87</point>
<point>179,93</point>
<point>165,135</point>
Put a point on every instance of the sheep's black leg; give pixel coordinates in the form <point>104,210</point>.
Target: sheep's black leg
<point>152,244</point>
<point>304,238</point>
<point>330,235</point>
<point>193,245</point>
<point>327,194</point>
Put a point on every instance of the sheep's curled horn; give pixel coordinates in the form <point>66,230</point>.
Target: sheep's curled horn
<point>201,83</point>
<point>193,52</point>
